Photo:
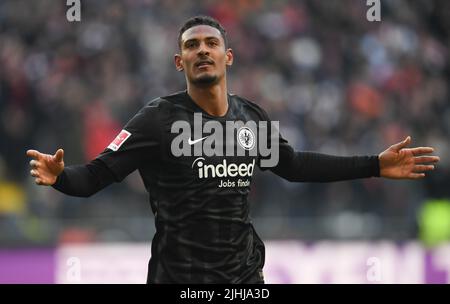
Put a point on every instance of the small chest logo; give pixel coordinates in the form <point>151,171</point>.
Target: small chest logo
<point>246,138</point>
<point>119,140</point>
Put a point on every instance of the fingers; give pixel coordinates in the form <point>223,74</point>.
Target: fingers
<point>418,171</point>
<point>426,159</point>
<point>416,175</point>
<point>398,146</point>
<point>34,154</point>
<point>422,168</point>
<point>34,164</point>
<point>39,164</point>
<point>421,150</point>
<point>38,180</point>
<point>58,157</point>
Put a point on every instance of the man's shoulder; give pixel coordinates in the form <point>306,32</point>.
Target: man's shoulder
<point>167,100</point>
<point>153,113</point>
<point>163,104</point>
<point>249,105</point>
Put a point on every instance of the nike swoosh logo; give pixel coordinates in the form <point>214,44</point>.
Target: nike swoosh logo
<point>191,142</point>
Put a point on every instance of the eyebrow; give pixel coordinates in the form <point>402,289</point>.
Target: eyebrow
<point>207,38</point>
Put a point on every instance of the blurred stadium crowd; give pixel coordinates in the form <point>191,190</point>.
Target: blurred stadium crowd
<point>336,82</point>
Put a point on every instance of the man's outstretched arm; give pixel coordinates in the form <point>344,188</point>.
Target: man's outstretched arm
<point>396,162</point>
<point>79,180</point>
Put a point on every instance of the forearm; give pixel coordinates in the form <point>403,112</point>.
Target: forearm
<point>317,167</point>
<point>84,180</point>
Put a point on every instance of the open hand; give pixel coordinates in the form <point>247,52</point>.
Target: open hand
<point>399,162</point>
<point>45,167</point>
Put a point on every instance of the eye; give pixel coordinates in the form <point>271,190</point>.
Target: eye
<point>213,43</point>
<point>190,44</point>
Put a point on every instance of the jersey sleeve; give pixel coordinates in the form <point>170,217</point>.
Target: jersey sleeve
<point>137,144</point>
<point>274,137</point>
<point>84,180</point>
<point>307,166</point>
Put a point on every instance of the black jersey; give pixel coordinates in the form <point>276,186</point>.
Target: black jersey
<point>204,233</point>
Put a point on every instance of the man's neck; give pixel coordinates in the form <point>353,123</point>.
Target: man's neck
<point>213,100</point>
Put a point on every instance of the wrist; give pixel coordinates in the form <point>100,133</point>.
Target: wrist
<point>58,180</point>
<point>377,166</point>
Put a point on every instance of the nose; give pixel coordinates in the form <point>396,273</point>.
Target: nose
<point>203,50</point>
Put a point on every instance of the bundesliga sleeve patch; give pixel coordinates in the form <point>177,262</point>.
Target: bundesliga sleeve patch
<point>119,140</point>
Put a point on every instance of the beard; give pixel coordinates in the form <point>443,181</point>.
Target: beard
<point>205,80</point>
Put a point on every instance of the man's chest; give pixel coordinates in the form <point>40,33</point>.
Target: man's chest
<point>223,152</point>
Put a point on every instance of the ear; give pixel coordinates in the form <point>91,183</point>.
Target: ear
<point>229,57</point>
<point>178,62</point>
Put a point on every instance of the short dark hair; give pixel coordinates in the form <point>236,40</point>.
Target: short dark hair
<point>202,20</point>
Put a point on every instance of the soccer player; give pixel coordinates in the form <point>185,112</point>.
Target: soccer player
<point>203,230</point>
